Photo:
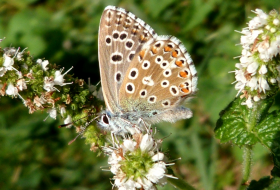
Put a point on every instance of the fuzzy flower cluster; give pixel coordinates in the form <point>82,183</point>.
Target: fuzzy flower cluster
<point>12,89</point>
<point>17,75</point>
<point>257,74</point>
<point>137,163</point>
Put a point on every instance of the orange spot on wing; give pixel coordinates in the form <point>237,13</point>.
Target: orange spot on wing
<point>174,54</point>
<point>183,74</point>
<point>182,85</point>
<point>166,48</point>
<point>185,90</point>
<point>143,38</point>
<point>134,31</point>
<point>142,53</point>
<point>154,50</point>
<point>179,63</point>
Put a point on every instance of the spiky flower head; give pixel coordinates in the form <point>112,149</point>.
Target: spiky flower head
<point>258,73</point>
<point>137,163</point>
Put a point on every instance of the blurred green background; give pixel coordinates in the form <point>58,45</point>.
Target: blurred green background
<point>34,154</point>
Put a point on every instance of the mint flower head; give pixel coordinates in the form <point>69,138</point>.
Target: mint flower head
<point>258,73</point>
<point>137,163</point>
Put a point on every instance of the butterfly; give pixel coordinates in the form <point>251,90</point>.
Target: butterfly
<point>145,78</point>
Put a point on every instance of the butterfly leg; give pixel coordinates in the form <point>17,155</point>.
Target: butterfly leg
<point>113,138</point>
<point>144,123</point>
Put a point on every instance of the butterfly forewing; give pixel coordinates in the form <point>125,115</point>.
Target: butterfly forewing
<point>160,77</point>
<point>121,37</point>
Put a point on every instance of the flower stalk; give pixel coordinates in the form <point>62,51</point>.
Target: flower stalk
<point>43,86</point>
<point>257,74</point>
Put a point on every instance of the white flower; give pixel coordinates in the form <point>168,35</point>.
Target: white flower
<point>276,22</point>
<point>273,81</point>
<point>19,55</point>
<point>253,83</point>
<point>273,50</point>
<point>158,157</point>
<point>258,21</point>
<point>21,84</point>
<point>39,101</point>
<point>129,145</point>
<point>67,121</point>
<point>142,152</point>
<point>261,45</point>
<point>43,64</point>
<point>240,76</point>
<point>8,62</point>
<point>252,68</point>
<point>146,143</point>
<point>273,30</point>
<point>62,110</point>
<point>2,71</point>
<point>244,60</point>
<point>49,84</point>
<point>263,84</point>
<point>58,79</point>
<point>52,113</point>
<point>156,172</point>
<point>248,102</point>
<point>12,90</point>
<point>263,70</point>
<point>256,98</point>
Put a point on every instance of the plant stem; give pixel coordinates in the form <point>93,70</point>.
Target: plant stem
<point>247,160</point>
<point>253,117</point>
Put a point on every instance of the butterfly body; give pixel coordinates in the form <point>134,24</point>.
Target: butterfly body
<point>144,77</point>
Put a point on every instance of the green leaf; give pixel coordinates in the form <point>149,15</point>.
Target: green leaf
<point>265,183</point>
<point>243,126</point>
<point>232,125</point>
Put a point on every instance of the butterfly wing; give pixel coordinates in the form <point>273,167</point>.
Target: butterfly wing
<point>161,76</point>
<point>121,37</point>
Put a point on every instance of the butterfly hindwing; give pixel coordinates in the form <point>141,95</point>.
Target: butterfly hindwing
<point>121,36</point>
<point>160,77</point>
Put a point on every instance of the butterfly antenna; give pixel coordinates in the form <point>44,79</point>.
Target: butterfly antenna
<point>83,129</point>
<point>166,136</point>
<point>74,139</point>
<point>65,125</point>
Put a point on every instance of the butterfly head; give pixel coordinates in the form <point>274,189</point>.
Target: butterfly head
<point>104,120</point>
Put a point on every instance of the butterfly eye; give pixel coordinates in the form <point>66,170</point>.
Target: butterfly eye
<point>105,119</point>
